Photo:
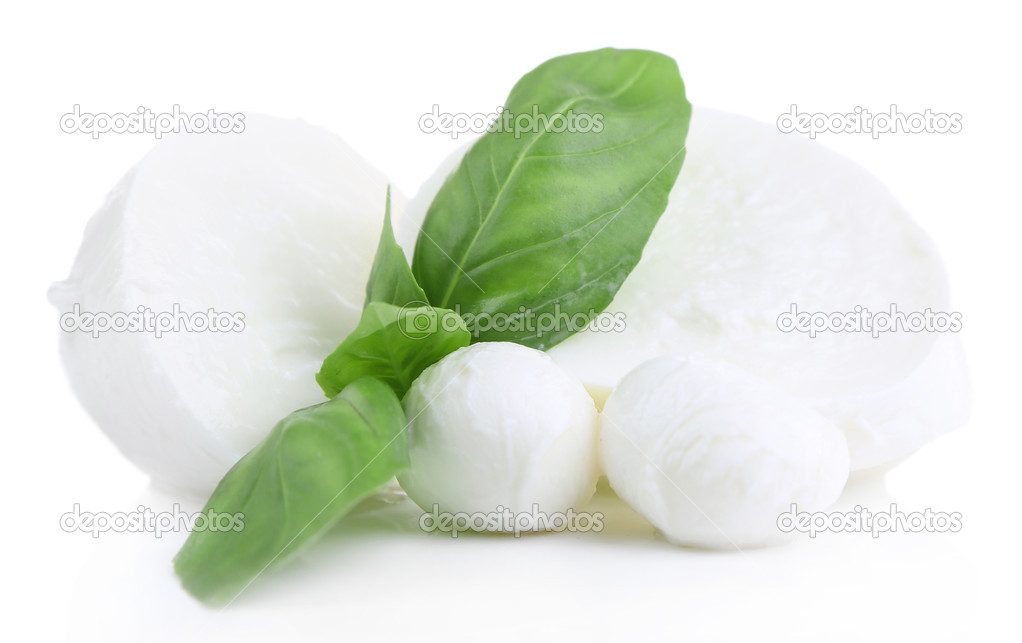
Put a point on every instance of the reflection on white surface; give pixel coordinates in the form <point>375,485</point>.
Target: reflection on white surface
<point>377,574</point>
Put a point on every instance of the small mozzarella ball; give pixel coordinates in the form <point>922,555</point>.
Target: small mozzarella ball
<point>712,455</point>
<point>497,425</point>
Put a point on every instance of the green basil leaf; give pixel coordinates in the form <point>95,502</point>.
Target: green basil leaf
<point>390,279</point>
<point>393,345</point>
<point>315,465</point>
<point>553,221</point>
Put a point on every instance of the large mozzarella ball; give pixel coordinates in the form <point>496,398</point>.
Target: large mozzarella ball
<point>498,425</point>
<point>758,221</point>
<point>712,455</point>
<point>279,224</point>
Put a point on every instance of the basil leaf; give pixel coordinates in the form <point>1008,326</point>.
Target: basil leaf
<point>390,279</point>
<point>550,220</point>
<point>393,345</point>
<point>399,334</point>
<point>315,465</point>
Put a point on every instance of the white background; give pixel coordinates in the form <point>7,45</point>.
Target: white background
<point>367,74</point>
